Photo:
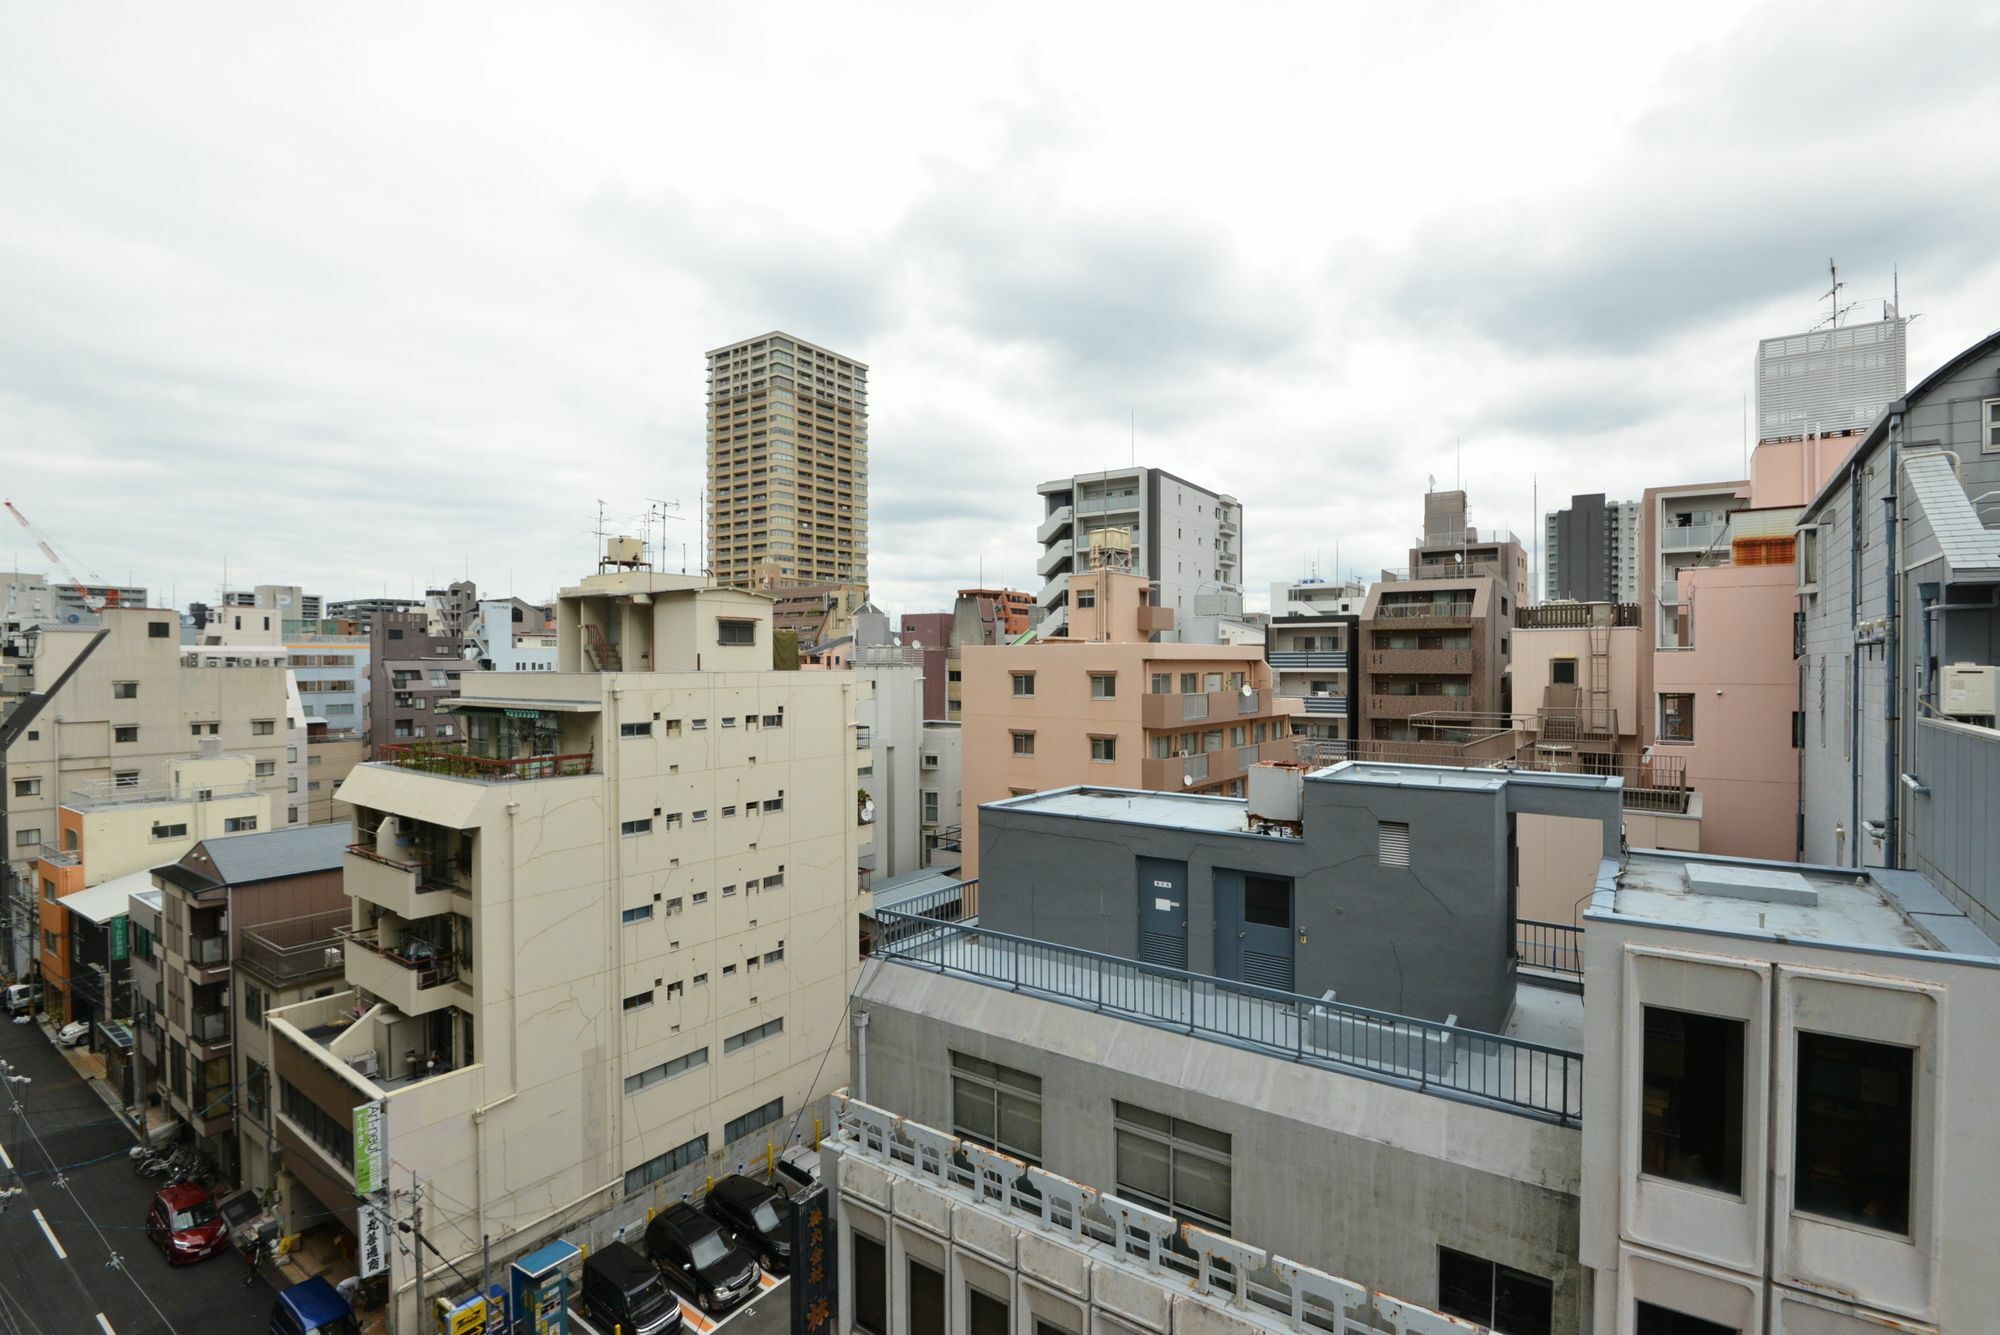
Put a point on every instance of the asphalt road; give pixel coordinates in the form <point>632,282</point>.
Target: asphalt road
<point>92,1211</point>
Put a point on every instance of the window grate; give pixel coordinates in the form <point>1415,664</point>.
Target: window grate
<point>1394,841</point>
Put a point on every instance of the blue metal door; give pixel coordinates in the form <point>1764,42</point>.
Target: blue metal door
<point>1254,937</point>
<point>1163,912</point>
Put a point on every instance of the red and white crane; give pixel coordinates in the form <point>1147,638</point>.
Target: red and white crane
<point>90,600</point>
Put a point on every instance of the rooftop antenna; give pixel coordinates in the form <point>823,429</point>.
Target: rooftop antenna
<point>1834,309</point>
<point>1134,460</point>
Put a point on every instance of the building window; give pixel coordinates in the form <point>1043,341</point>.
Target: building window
<point>737,1042</point>
<point>700,816</point>
<point>1562,671</point>
<point>1494,1295</point>
<point>753,1121</point>
<point>1676,718</point>
<point>174,830</point>
<point>1024,683</point>
<point>253,1005</point>
<point>49,890</point>
<point>870,1272</point>
<point>984,1314</point>
<point>28,838</point>
<point>638,1001</point>
<point>926,1299</point>
<point>666,1070</point>
<point>262,727</point>
<point>1103,685</point>
<point>1086,598</point>
<point>1163,683</point>
<point>125,732</point>
<point>1104,748</point>
<point>1656,1320</point>
<point>1989,427</point>
<point>1691,1124</point>
<point>27,787</point>
<point>635,729</point>
<point>643,913</point>
<point>125,778</point>
<point>239,824</point>
<point>1176,1167</point>
<point>124,690</point>
<point>644,825</point>
<point>663,1165</point>
<point>1024,743</point>
<point>997,1106</point>
<point>1393,842</point>
<point>159,630</point>
<point>736,632</point>
<point>930,807</point>
<point>1856,1101</point>
<point>267,769</point>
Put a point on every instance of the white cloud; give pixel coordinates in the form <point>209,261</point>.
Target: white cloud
<point>361,298</point>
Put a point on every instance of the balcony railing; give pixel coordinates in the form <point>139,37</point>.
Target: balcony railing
<point>1293,660</point>
<point>1552,947</point>
<point>211,1027</point>
<point>432,964</point>
<point>1412,611</point>
<point>1421,1054</point>
<point>60,857</point>
<point>1325,704</point>
<point>208,952</point>
<point>291,949</point>
<point>454,760</point>
<point>1576,616</point>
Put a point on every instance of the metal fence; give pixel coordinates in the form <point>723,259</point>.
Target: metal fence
<point>1550,946</point>
<point>1423,1054</point>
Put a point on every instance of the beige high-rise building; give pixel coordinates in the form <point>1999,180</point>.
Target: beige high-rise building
<point>787,464</point>
<point>602,940</point>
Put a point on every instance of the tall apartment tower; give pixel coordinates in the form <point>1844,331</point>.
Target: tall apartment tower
<point>787,464</point>
<point>1590,551</point>
<point>1185,539</point>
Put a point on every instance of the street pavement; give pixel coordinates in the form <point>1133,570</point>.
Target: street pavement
<point>74,1255</point>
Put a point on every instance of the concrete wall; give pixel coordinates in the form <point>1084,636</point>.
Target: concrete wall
<point>1745,687</point>
<point>892,711</point>
<point>1362,1180</point>
<point>1535,648</point>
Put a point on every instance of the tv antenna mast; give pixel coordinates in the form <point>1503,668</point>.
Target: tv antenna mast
<point>1834,309</point>
<point>656,515</point>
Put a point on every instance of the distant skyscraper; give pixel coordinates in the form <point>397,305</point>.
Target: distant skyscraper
<point>787,464</point>
<point>1590,551</point>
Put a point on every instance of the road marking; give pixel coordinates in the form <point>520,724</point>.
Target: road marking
<point>105,1324</point>
<point>50,1234</point>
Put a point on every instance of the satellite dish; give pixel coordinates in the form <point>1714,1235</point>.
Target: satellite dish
<point>1187,780</point>
<point>1248,690</point>
<point>916,644</point>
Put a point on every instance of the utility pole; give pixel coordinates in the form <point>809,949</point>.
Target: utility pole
<point>417,1231</point>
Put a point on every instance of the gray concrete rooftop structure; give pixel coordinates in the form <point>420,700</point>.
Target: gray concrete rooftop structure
<point>1874,910</point>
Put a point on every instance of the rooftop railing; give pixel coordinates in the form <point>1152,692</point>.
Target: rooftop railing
<point>292,949</point>
<point>1426,1055</point>
<point>1576,616</point>
<point>454,760</point>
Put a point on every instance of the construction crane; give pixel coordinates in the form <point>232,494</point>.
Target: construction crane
<point>90,600</point>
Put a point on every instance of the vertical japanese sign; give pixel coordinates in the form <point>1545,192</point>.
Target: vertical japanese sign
<point>118,944</point>
<point>374,1241</point>
<point>371,1148</point>
<point>815,1296</point>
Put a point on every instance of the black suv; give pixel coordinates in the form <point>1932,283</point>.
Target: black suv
<point>622,1289</point>
<point>696,1256</point>
<point>759,1216</point>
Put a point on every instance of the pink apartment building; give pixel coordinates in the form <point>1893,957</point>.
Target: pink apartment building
<point>1107,706</point>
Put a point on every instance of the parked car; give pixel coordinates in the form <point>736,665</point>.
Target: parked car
<point>23,997</point>
<point>313,1307</point>
<point>622,1290</point>
<point>798,1170</point>
<point>73,1034</point>
<point>758,1215</point>
<point>698,1258</point>
<point>186,1224</point>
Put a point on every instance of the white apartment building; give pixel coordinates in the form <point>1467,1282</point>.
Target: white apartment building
<point>1789,1084</point>
<point>117,704</point>
<point>1186,539</point>
<point>508,636</point>
<point>600,947</point>
<point>1317,597</point>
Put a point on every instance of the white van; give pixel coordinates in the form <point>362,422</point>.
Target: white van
<point>23,997</point>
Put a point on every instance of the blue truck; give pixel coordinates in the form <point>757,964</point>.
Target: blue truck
<point>312,1308</point>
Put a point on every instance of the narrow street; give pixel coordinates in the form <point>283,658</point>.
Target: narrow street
<point>74,1255</point>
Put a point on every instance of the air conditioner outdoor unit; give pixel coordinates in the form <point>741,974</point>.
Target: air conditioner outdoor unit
<point>1969,690</point>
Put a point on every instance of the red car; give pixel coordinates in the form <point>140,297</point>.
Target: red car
<point>186,1224</point>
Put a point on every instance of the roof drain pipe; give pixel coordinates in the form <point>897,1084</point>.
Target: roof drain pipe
<point>1857,520</point>
<point>1892,790</point>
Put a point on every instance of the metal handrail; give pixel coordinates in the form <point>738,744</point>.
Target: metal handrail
<point>1426,1055</point>
<point>1551,946</point>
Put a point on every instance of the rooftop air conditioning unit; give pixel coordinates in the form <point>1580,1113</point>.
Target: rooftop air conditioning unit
<point>1969,690</point>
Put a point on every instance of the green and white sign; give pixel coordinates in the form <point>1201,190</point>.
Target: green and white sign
<point>371,1149</point>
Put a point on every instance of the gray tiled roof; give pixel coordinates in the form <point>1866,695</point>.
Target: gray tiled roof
<point>293,851</point>
<point>1970,548</point>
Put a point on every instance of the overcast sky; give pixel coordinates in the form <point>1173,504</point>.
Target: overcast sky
<point>360,297</point>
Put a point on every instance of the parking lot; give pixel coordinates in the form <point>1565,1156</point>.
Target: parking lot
<point>769,1313</point>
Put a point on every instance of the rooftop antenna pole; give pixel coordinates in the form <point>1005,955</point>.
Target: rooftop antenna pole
<point>1134,461</point>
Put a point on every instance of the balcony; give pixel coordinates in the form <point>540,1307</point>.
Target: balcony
<point>1440,609</point>
<point>1576,616</point>
<point>1055,526</point>
<point>456,760</point>
<point>1055,591</point>
<point>1297,660</point>
<point>1059,556</point>
<point>413,975</point>
<point>290,951</point>
<point>1457,570</point>
<point>1325,704</point>
<point>1175,772</point>
<point>402,882</point>
<point>208,957</point>
<point>1421,662</point>
<point>208,1032</point>
<point>1126,502</point>
<point>1691,537</point>
<point>1154,619</point>
<point>1404,706</point>
<point>60,857</point>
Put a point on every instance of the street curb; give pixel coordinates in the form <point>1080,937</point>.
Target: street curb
<point>102,1090</point>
